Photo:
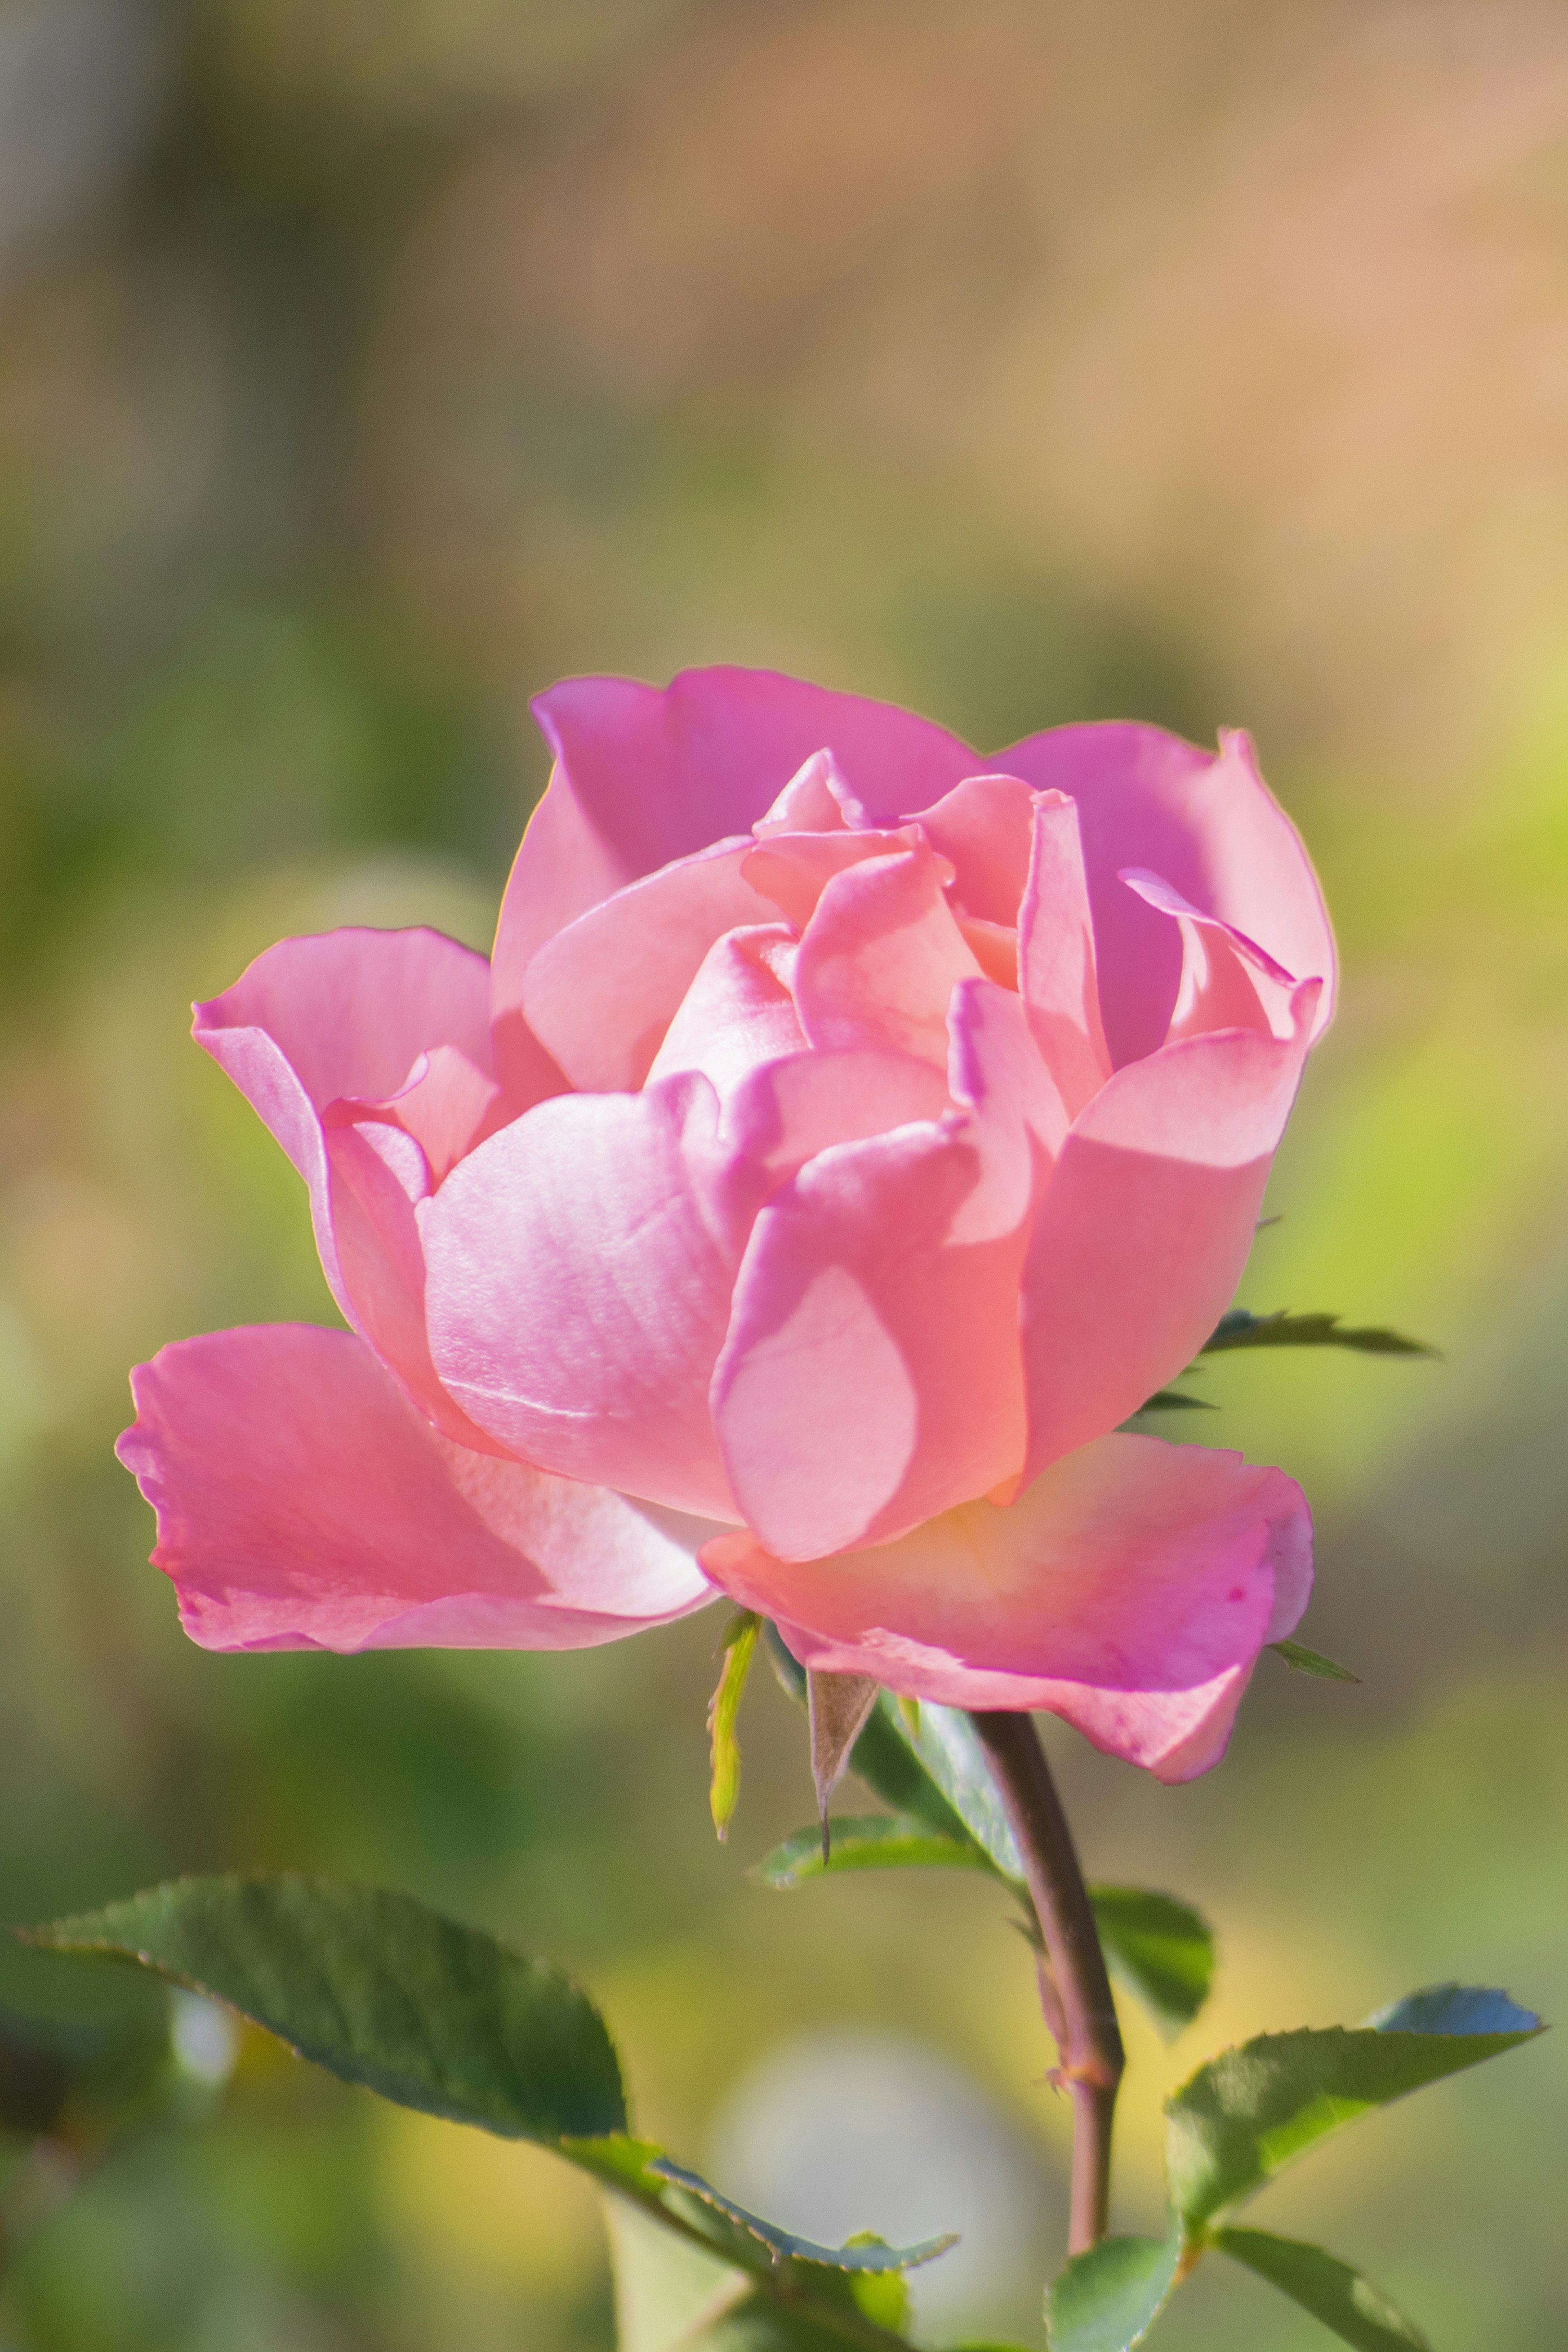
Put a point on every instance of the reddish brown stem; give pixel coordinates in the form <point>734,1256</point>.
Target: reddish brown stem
<point>1087,2035</point>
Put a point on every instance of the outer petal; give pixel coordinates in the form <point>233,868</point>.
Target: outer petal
<point>861,1387</point>
<point>602,992</point>
<point>646,774</point>
<point>1146,1225</point>
<point>1128,1590</point>
<point>581,1265</point>
<point>1211,827</point>
<point>308,1028</point>
<point>302,1504</point>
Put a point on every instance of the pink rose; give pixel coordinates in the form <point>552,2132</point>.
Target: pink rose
<point>839,1145</point>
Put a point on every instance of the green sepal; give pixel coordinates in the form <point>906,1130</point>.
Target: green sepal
<point>1302,1660</point>
<point>866,1841</point>
<point>1283,1329</point>
<point>1245,2116</point>
<point>1160,1951</point>
<point>1108,2299</point>
<point>1356,2310</point>
<point>739,1647</point>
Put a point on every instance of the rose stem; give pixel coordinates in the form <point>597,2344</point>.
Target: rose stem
<point>1088,2037</point>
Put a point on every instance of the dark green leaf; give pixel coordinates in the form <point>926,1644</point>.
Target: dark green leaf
<point>1330,2290</point>
<point>1302,1660</point>
<point>1239,1329</point>
<point>1108,2299</point>
<point>1244,2116</point>
<point>1175,1400</point>
<point>868,1841</point>
<point>1455,2009</point>
<point>1160,1950</point>
<point>739,1649</point>
<point>380,1991</point>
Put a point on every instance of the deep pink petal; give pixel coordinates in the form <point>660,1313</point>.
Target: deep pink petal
<point>351,1011</point>
<point>579,1268</point>
<point>601,994</point>
<point>1228,980</point>
<point>314,1022</point>
<point>1208,823</point>
<point>872,1372</point>
<point>1129,1590</point>
<point>880,958</point>
<point>985,829</point>
<point>1058,976</point>
<point>303,1504</point>
<point>1146,1225</point>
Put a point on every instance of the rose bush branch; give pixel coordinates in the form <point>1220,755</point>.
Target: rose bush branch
<point>1089,2038</point>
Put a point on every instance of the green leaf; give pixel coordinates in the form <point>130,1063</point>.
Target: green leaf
<point>739,1649</point>
<point>1175,1400</point>
<point>380,1991</point>
<point>1329,2289</point>
<point>1241,2119</point>
<point>1239,1329</point>
<point>1302,1660</point>
<point>1160,1950</point>
<point>1108,2299</point>
<point>866,1841</point>
<point>865,2252</point>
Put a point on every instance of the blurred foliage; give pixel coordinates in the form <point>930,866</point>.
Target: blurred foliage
<point>366,368</point>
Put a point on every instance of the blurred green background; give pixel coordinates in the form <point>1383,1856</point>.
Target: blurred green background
<point>364,367</point>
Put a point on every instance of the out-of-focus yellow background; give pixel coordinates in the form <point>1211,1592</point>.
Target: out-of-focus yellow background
<point>364,367</point>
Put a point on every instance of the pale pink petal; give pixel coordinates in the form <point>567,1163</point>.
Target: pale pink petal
<point>580,1269</point>
<point>1057,972</point>
<point>303,1504</point>
<point>784,1112</point>
<point>1208,823</point>
<point>601,994</point>
<point>985,829</point>
<point>793,869</point>
<point>880,958</point>
<point>815,800</point>
<point>1146,1222</point>
<point>1228,980</point>
<point>1019,1119</point>
<point>872,1372</point>
<point>738,1012</point>
<point>1129,1590</point>
<point>448,1106</point>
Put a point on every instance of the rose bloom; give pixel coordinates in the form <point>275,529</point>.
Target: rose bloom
<point>846,1135</point>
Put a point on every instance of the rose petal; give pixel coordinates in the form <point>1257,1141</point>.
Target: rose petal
<point>1146,1222</point>
<point>815,800</point>
<point>784,1112</point>
<point>738,1013</point>
<point>1208,823</point>
<point>446,1106</point>
<point>314,1023</point>
<point>1129,1590</point>
<point>793,869</point>
<point>985,827</point>
<point>601,994</point>
<point>580,1270</point>
<point>880,958</point>
<point>1228,980</point>
<point>1058,976</point>
<point>872,1372</point>
<point>302,1504</point>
